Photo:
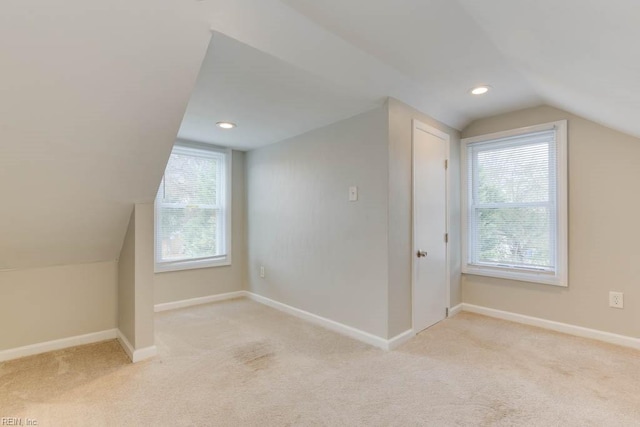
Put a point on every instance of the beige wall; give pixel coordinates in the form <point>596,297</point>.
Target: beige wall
<point>349,262</point>
<point>135,279</point>
<point>45,304</point>
<point>144,336</point>
<point>126,282</point>
<point>322,253</point>
<point>51,303</point>
<point>187,284</point>
<point>400,212</point>
<point>604,255</point>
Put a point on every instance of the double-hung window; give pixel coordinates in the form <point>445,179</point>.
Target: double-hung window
<point>515,204</point>
<point>192,209</point>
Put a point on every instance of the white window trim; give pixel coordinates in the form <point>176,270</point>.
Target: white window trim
<point>560,276</point>
<point>217,261</point>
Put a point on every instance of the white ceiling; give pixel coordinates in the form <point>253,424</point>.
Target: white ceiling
<point>92,93</point>
<point>269,99</point>
<point>435,43</point>
<point>574,54</point>
<point>330,60</point>
<point>91,97</point>
<point>580,55</point>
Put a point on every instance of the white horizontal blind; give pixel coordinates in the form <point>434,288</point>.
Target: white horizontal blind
<point>512,217</point>
<point>190,206</point>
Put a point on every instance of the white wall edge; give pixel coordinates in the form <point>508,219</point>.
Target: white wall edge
<point>174,305</point>
<point>566,328</point>
<point>135,355</point>
<point>332,325</point>
<point>400,339</point>
<point>455,310</point>
<point>125,344</point>
<point>144,353</point>
<point>44,347</point>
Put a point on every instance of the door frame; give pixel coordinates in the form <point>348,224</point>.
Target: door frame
<point>418,126</point>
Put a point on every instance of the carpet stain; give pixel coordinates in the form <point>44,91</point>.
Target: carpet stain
<point>244,364</point>
<point>498,412</point>
<point>257,355</point>
<point>63,365</point>
<point>560,369</point>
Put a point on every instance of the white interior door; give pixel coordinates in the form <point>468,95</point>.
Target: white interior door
<point>430,263</point>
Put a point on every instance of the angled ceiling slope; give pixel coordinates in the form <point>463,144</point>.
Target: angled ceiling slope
<point>579,55</point>
<point>436,44</point>
<point>269,99</point>
<point>93,93</point>
<point>430,70</point>
<point>91,98</point>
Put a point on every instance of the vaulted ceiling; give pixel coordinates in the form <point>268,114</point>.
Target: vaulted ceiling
<point>578,55</point>
<point>91,96</point>
<point>93,92</point>
<point>267,97</point>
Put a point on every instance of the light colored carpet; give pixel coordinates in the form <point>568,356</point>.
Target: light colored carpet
<point>240,363</point>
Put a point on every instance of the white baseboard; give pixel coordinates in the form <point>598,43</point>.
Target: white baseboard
<point>400,339</point>
<point>126,345</point>
<point>197,301</point>
<point>455,310</point>
<point>44,347</point>
<point>310,317</point>
<point>555,326</point>
<point>144,353</point>
<point>332,325</point>
<point>135,355</point>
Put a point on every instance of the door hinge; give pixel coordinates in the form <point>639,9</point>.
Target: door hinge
<point>446,237</point>
<point>446,164</point>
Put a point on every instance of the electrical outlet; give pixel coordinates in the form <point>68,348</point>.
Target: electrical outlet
<point>262,271</point>
<point>616,299</point>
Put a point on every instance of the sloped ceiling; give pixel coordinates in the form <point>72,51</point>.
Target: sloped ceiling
<point>93,92</point>
<point>436,44</point>
<point>576,55</point>
<point>268,56</point>
<point>270,99</point>
<point>91,97</point>
<point>580,55</point>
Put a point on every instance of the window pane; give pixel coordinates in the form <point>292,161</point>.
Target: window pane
<point>187,233</point>
<point>514,236</point>
<point>192,180</point>
<point>192,209</point>
<point>513,174</point>
<point>514,204</point>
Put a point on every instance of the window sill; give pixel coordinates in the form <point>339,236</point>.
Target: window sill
<point>192,265</point>
<point>545,278</point>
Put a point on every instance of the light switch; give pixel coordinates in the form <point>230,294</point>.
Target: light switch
<point>353,194</point>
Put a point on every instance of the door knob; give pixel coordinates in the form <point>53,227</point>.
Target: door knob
<point>422,254</point>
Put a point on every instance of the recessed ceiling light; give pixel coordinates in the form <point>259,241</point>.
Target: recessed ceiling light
<point>226,125</point>
<point>480,90</point>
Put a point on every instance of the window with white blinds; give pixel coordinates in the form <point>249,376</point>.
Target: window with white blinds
<point>192,223</point>
<point>515,213</point>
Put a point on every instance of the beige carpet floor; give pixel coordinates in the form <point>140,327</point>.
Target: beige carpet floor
<point>240,363</point>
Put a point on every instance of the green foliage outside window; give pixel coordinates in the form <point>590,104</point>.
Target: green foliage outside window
<point>190,207</point>
<point>512,206</point>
